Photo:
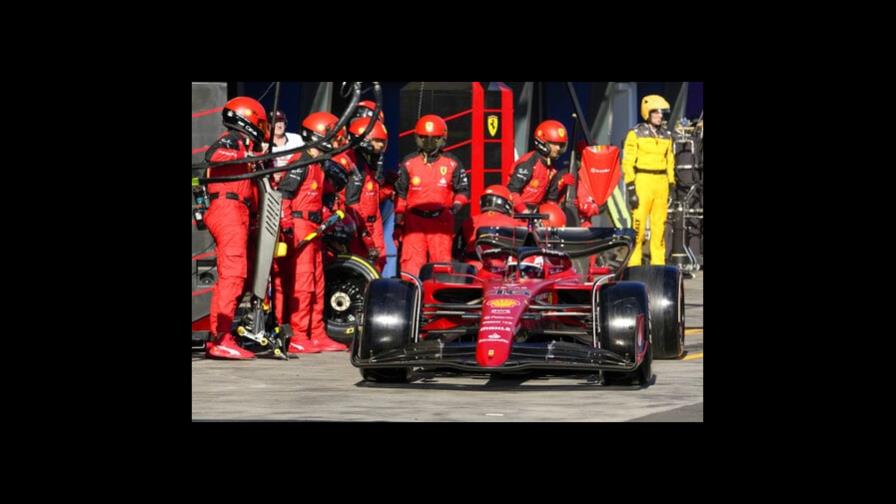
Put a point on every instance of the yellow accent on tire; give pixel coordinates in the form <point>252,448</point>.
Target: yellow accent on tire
<point>366,264</point>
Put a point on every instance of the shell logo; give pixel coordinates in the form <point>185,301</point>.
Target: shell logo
<point>428,126</point>
<point>534,183</point>
<point>538,134</point>
<point>415,180</point>
<point>370,186</point>
<point>503,303</point>
<point>313,185</point>
<point>321,127</point>
<point>343,161</point>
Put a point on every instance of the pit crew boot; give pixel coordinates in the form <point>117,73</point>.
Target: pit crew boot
<point>325,344</point>
<point>300,345</point>
<point>226,348</point>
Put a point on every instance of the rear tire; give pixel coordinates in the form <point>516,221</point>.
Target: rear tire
<point>665,290</point>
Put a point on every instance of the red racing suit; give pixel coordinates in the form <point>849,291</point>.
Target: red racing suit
<point>426,190</point>
<point>366,192</point>
<point>532,182</point>
<point>302,190</point>
<point>228,222</point>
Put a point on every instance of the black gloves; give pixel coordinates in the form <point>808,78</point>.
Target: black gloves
<point>632,195</point>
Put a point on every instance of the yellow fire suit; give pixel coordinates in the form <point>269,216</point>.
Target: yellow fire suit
<point>649,162</point>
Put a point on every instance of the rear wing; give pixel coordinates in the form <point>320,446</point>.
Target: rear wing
<point>612,246</point>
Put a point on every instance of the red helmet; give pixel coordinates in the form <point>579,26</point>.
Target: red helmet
<point>246,115</point>
<point>318,125</point>
<point>550,131</point>
<point>557,217</point>
<point>358,128</point>
<point>431,133</point>
<point>497,198</point>
<point>366,108</point>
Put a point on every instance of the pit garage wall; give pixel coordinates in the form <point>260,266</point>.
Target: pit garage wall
<point>208,99</point>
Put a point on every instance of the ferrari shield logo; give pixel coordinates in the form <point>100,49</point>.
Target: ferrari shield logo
<point>443,170</point>
<point>492,125</point>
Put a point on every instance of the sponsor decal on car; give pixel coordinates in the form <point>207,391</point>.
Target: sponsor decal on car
<point>505,291</point>
<point>503,303</point>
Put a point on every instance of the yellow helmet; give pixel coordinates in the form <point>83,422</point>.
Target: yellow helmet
<point>653,102</point>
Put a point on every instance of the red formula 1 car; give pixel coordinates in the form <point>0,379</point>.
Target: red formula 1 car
<point>558,300</point>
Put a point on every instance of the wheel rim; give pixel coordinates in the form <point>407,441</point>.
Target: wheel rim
<point>345,299</point>
<point>340,301</point>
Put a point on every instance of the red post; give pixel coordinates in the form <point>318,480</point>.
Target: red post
<point>477,156</point>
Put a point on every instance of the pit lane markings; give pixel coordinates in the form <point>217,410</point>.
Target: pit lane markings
<point>698,355</point>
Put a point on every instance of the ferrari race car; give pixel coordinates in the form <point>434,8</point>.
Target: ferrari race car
<point>554,300</point>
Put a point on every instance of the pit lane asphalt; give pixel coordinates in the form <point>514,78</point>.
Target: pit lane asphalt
<point>326,387</point>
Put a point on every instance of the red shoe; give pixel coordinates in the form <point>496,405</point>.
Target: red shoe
<point>301,345</point>
<point>325,344</point>
<point>226,348</point>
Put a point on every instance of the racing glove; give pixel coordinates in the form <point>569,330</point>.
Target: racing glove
<point>398,229</point>
<point>590,208</point>
<point>632,195</point>
<point>566,180</point>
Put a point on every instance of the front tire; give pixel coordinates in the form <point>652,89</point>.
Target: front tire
<point>625,323</point>
<point>396,375</point>
<point>345,282</point>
